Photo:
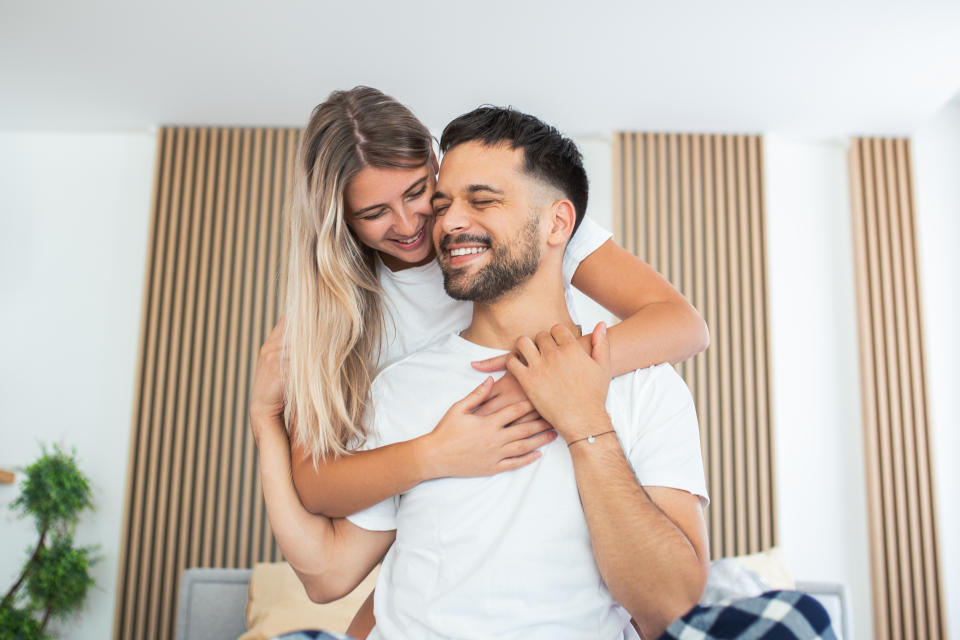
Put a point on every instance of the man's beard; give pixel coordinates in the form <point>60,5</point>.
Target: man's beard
<point>509,266</point>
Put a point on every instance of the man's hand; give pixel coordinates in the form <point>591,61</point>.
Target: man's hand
<point>566,386</point>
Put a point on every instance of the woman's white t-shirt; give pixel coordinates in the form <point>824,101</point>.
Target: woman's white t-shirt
<point>418,310</point>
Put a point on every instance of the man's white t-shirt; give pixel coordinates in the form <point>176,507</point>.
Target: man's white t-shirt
<point>509,556</point>
<point>418,309</point>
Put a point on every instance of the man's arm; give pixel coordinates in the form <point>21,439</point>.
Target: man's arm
<point>650,544</point>
<point>331,557</point>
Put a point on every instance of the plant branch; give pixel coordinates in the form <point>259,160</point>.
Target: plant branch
<point>26,570</point>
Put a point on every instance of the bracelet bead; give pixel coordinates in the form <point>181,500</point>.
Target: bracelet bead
<point>589,439</point>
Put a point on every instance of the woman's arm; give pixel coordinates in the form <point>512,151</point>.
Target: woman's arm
<point>462,445</point>
<point>657,323</point>
<point>330,557</point>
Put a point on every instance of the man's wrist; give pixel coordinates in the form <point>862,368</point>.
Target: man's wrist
<point>591,424</point>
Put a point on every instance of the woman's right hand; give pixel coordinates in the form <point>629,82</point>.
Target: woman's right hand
<point>267,393</point>
<point>465,444</point>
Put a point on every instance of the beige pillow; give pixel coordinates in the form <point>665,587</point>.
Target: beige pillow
<point>278,604</point>
<point>771,566</point>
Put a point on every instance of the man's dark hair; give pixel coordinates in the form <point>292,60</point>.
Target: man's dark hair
<point>547,154</point>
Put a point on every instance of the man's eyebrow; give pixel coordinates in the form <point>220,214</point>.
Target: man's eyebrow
<point>474,188</point>
<point>413,187</point>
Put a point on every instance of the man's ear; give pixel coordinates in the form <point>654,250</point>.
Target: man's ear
<point>563,216</point>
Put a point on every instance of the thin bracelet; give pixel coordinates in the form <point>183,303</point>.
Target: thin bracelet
<point>590,438</point>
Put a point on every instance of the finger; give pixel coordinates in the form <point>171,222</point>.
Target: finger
<point>528,351</point>
<point>509,464</point>
<point>562,335</point>
<point>545,342</point>
<point>530,417</point>
<point>516,366</point>
<point>526,429</point>
<point>492,404</point>
<point>522,447</point>
<point>601,346</point>
<point>510,413</point>
<point>473,399</point>
<point>496,363</point>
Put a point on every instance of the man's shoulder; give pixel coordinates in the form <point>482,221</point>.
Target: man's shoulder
<point>660,380</point>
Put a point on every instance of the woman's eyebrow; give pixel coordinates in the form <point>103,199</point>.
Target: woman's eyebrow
<point>419,182</point>
<point>416,185</point>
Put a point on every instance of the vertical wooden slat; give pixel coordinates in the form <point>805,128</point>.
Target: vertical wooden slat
<point>211,296</point>
<point>157,491</point>
<point>715,413</point>
<point>699,200</point>
<point>929,537</point>
<point>858,197</point>
<point>203,341</point>
<point>904,547</point>
<point>629,192</point>
<point>639,162</point>
<point>747,304</point>
<point>180,343</point>
<point>761,354</point>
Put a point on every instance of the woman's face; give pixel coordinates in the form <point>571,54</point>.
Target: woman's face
<point>390,211</point>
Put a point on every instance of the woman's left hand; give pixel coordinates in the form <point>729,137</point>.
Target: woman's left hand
<point>506,391</point>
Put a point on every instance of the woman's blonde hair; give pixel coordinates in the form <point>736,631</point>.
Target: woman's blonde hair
<point>334,316</point>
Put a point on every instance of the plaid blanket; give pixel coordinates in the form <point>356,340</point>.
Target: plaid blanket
<point>775,615</point>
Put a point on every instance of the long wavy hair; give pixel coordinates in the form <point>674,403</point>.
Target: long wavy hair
<point>334,315</point>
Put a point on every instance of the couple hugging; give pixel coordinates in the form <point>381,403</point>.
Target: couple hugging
<point>563,499</point>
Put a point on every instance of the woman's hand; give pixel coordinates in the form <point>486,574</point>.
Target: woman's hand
<point>267,394</point>
<point>567,386</point>
<point>505,392</point>
<point>465,444</point>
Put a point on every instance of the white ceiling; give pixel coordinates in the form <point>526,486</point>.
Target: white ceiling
<point>816,67</point>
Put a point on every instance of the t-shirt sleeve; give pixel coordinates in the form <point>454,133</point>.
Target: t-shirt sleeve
<point>664,446</point>
<point>587,239</point>
<point>383,515</point>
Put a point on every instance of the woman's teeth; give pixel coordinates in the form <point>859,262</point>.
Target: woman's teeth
<point>411,239</point>
<point>463,252</point>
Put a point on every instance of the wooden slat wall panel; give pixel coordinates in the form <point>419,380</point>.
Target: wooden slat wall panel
<point>692,206</point>
<point>904,551</point>
<point>212,294</point>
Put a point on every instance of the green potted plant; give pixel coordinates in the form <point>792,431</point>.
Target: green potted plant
<point>56,577</point>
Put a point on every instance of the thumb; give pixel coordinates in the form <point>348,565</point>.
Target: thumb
<point>476,397</point>
<point>600,346</point>
<point>496,363</point>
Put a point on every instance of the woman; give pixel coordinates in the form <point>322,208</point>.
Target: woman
<point>364,289</point>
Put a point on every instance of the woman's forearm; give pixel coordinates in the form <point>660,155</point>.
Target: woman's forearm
<point>338,487</point>
<point>659,332</point>
<point>303,538</point>
<point>657,323</point>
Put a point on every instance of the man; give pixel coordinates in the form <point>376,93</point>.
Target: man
<point>549,550</point>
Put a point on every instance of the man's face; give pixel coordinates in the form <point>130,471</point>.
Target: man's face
<point>487,231</point>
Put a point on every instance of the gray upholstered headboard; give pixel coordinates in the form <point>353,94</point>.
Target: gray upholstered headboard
<point>212,604</point>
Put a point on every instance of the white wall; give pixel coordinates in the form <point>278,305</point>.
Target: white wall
<point>937,171</point>
<point>73,237</point>
<point>821,486</point>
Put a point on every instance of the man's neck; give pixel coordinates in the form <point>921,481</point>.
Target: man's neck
<point>535,306</point>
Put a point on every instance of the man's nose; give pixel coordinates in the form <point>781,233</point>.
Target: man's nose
<point>454,218</point>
